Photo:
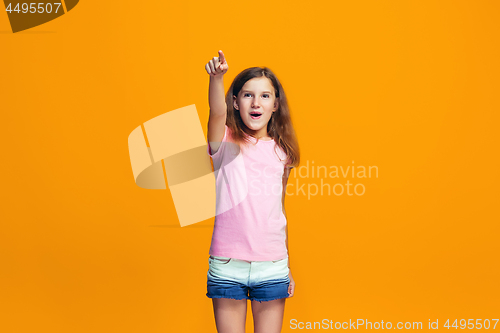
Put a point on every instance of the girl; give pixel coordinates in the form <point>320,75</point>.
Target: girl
<point>253,147</point>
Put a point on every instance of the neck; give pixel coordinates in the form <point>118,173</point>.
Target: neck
<point>258,134</point>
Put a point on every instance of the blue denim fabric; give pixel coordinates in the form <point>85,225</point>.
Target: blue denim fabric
<point>240,279</point>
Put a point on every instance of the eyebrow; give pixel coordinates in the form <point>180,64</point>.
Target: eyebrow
<point>252,91</point>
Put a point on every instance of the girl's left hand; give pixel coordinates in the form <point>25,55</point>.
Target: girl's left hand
<point>291,287</point>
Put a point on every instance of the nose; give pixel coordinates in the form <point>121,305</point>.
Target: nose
<point>255,102</point>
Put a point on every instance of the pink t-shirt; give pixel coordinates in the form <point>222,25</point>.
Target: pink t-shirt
<point>249,222</point>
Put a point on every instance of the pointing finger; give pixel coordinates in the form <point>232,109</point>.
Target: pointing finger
<point>222,59</point>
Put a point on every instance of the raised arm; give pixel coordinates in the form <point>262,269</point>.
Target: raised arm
<point>216,68</point>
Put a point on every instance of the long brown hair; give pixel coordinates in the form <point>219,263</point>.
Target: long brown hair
<point>279,127</point>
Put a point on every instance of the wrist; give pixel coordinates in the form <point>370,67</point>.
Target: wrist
<point>216,77</point>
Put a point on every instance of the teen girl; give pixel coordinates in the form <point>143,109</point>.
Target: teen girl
<point>253,147</point>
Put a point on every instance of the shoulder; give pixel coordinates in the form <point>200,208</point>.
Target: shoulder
<point>281,153</point>
<point>227,133</point>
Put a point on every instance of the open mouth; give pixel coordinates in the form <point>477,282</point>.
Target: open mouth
<point>255,115</point>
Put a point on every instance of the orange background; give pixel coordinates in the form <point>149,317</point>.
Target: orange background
<point>410,87</point>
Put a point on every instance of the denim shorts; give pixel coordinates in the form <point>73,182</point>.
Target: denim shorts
<point>254,280</point>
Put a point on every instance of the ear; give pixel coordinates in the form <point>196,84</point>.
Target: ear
<point>235,105</point>
<point>276,103</point>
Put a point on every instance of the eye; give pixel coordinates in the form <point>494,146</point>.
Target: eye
<point>246,94</point>
<point>266,95</point>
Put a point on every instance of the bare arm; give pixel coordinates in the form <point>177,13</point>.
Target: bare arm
<point>285,181</point>
<point>216,98</point>
<point>291,286</point>
<point>216,68</point>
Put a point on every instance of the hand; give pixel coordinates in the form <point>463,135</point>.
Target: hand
<point>217,66</point>
<point>291,287</point>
